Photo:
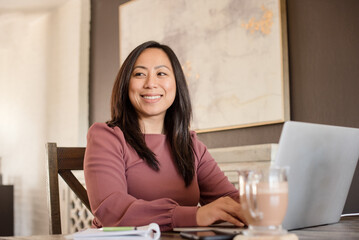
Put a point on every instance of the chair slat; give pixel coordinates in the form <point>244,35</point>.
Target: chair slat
<point>70,158</point>
<point>53,198</point>
<point>76,186</point>
<point>61,161</point>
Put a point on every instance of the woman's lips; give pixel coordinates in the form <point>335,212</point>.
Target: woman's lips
<point>152,98</point>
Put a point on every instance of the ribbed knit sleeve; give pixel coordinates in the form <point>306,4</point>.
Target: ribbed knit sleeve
<point>211,180</point>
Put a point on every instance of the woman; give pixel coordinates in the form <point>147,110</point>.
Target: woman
<point>145,165</point>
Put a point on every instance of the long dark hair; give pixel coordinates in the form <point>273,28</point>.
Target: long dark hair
<point>177,119</point>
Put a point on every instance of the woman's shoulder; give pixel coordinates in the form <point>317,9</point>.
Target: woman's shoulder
<point>102,136</point>
<point>101,129</point>
<point>98,126</point>
<point>198,146</point>
<point>193,134</point>
<point>194,137</point>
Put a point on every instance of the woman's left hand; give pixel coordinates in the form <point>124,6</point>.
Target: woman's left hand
<point>222,209</point>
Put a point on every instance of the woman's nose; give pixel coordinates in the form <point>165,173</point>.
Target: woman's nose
<point>151,81</point>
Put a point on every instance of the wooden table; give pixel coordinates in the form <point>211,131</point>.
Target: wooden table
<point>346,229</point>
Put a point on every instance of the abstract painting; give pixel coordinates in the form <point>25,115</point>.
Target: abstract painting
<point>233,53</point>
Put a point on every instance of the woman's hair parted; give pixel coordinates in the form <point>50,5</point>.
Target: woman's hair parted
<point>177,119</point>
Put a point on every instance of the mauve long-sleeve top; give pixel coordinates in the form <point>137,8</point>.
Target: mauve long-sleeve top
<point>124,191</point>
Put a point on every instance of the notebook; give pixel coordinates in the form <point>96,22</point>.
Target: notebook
<point>322,161</point>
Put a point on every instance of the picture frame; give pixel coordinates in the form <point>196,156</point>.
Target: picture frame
<point>234,55</point>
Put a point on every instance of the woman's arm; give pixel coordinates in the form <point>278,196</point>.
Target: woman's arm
<point>219,198</point>
<point>211,180</point>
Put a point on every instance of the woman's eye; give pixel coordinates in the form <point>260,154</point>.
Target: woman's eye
<point>162,74</point>
<point>139,74</point>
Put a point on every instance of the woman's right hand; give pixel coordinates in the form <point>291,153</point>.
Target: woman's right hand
<point>222,209</point>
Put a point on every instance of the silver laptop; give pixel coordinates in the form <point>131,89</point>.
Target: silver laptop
<point>322,161</point>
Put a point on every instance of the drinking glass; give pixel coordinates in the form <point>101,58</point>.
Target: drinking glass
<point>264,199</point>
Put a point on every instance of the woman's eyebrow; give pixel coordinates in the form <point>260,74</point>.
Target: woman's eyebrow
<point>160,66</point>
<point>157,67</point>
<point>143,67</point>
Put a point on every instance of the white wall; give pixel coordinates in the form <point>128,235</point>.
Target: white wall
<point>68,78</point>
<point>43,97</point>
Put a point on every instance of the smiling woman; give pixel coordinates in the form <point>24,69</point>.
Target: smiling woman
<point>148,144</point>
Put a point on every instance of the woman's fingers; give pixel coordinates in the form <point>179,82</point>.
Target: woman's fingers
<point>231,219</point>
<point>224,209</point>
<point>233,208</point>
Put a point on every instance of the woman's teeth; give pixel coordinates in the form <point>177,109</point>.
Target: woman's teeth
<point>151,97</point>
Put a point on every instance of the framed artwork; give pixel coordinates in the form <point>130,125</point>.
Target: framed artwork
<point>233,53</point>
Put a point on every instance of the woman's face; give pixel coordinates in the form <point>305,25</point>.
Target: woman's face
<point>152,87</point>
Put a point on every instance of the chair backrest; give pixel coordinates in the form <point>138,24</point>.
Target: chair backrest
<point>61,161</point>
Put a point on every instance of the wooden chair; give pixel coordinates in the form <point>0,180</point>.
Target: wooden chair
<point>61,161</point>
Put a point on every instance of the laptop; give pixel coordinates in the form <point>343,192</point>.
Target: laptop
<point>322,160</point>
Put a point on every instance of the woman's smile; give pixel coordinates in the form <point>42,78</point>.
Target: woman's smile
<point>151,97</point>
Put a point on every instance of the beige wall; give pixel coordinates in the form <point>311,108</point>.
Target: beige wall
<point>43,97</point>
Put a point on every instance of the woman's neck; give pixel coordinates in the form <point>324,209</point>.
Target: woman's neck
<point>152,126</point>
